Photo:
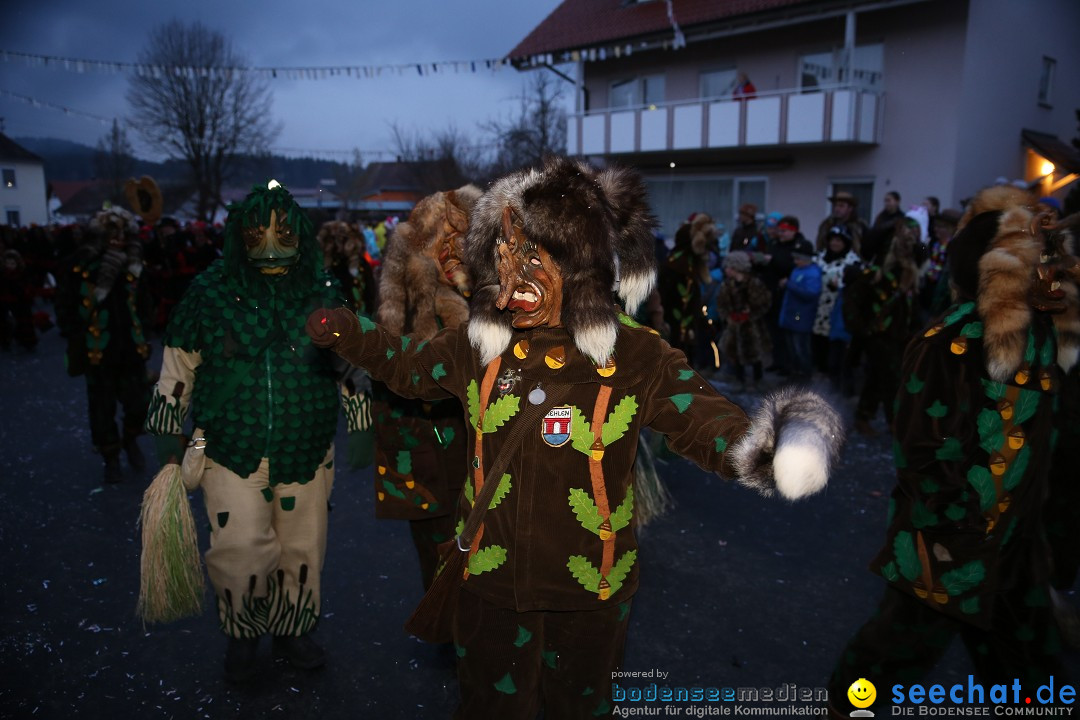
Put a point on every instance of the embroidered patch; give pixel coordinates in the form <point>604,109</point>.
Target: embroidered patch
<point>556,429</point>
<point>508,380</point>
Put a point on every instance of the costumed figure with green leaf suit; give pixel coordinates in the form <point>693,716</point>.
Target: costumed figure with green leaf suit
<point>976,424</point>
<point>557,382</point>
<point>264,408</point>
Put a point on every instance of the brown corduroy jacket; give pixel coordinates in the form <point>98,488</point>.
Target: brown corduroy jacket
<point>558,534</point>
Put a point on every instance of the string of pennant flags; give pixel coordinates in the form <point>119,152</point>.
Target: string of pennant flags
<point>53,106</point>
<point>360,72</point>
<point>323,72</point>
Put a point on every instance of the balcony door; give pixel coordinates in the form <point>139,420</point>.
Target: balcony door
<point>646,90</point>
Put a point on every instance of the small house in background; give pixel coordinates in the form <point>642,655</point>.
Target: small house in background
<point>23,196</point>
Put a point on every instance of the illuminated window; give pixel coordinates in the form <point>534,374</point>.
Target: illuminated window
<point>1046,80</point>
<point>9,178</point>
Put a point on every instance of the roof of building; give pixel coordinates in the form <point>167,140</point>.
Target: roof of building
<point>1064,156</point>
<point>11,150</point>
<point>579,24</point>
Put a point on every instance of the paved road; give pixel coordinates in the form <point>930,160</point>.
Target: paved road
<point>737,591</point>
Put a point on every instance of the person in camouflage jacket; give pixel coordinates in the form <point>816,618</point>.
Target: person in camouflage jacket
<point>542,613</point>
<point>264,405</point>
<point>965,550</point>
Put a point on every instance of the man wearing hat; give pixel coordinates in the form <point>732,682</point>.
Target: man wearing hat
<point>843,213</point>
<point>747,235</point>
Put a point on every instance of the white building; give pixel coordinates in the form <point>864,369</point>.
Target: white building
<point>22,186</point>
<point>922,97</point>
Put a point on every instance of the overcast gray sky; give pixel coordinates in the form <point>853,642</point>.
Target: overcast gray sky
<point>329,114</point>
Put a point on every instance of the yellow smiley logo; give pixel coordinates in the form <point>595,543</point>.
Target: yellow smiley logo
<point>862,693</point>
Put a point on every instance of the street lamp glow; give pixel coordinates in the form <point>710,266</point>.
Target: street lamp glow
<point>1046,168</point>
<point>671,165</point>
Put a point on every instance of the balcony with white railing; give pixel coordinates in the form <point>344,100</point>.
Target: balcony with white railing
<point>838,115</point>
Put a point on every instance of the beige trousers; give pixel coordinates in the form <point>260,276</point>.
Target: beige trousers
<point>267,545</point>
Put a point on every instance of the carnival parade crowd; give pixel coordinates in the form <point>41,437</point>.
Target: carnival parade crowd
<point>438,335</point>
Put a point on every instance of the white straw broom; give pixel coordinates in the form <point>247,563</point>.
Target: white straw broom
<point>171,578</point>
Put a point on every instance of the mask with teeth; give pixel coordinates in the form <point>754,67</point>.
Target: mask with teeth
<point>530,281</point>
<point>1055,264</point>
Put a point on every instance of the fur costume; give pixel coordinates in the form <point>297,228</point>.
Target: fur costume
<point>559,534</point>
<point>681,279</point>
<point>344,257</point>
<point>556,207</point>
<point>421,446</point>
<point>1004,245</point>
<point>104,310</point>
<point>980,405</point>
<point>424,285</point>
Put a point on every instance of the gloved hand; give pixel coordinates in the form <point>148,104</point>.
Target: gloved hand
<point>328,327</point>
<point>170,448</point>
<point>361,450</point>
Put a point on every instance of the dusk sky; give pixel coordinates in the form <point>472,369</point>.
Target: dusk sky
<point>332,114</point>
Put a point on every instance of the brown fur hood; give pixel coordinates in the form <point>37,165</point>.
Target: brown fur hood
<point>416,293</point>
<point>597,226</point>
<point>992,259</point>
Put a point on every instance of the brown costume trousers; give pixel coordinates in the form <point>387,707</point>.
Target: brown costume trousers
<point>267,545</point>
<point>510,664</point>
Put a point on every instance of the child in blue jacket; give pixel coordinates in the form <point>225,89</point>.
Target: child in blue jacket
<point>798,311</point>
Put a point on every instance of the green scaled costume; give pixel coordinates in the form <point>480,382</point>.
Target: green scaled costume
<point>265,401</point>
<point>262,390</point>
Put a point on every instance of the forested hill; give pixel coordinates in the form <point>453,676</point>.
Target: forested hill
<point>66,160</point>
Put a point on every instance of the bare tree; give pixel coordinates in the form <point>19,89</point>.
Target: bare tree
<point>347,175</point>
<point>445,161</point>
<point>538,130</point>
<point>197,102</point>
<point>114,160</point>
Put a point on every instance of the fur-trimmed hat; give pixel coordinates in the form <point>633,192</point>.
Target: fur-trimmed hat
<point>738,261</point>
<point>595,224</point>
<point>115,216</point>
<point>992,260</point>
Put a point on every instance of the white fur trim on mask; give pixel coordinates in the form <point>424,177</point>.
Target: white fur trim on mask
<point>634,289</point>
<point>597,342</point>
<point>489,339</point>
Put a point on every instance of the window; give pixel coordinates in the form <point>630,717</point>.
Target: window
<point>623,94</point>
<point>653,89</point>
<point>717,83</point>
<point>826,68</point>
<point>863,190</point>
<point>13,218</point>
<point>9,177</point>
<point>751,190</point>
<point>1046,80</point>
<point>648,90</point>
<point>674,198</point>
